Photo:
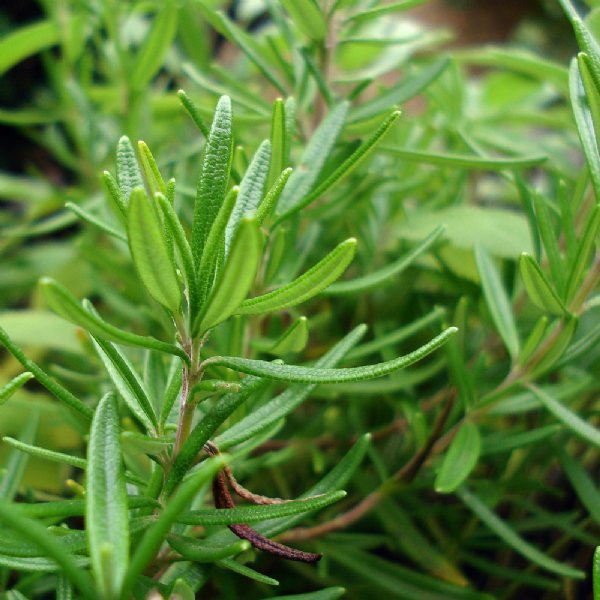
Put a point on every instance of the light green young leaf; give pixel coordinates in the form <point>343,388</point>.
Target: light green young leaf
<point>30,530</point>
<point>246,571</point>
<point>6,391</point>
<point>150,57</point>
<point>205,428</point>
<point>407,88</point>
<point>115,196</point>
<point>27,41</point>
<point>497,301</point>
<point>91,219</point>
<point>155,535</point>
<point>349,165</point>
<point>307,16</point>
<point>313,158</point>
<point>383,275</point>
<point>584,249</point>
<point>236,277</point>
<point>55,388</point>
<point>150,253</point>
<point>16,463</point>
<point>309,284</point>
<point>107,517</point>
<point>214,246</point>
<point>64,304</point>
<point>194,112</point>
<point>567,417</point>
<point>512,539</point>
<point>279,142</point>
<point>271,412</point>
<point>538,287</point>
<point>294,338</point>
<point>214,176</point>
<point>270,200</point>
<point>257,513</point>
<point>150,169</point>
<point>460,459</point>
<point>251,192</point>
<point>127,382</point>
<point>293,373</point>
<point>129,175</point>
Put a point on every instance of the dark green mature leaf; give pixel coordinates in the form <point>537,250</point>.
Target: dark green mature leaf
<point>6,391</point>
<point>155,535</point>
<point>313,158</point>
<point>383,275</point>
<point>236,277</point>
<point>510,537</point>
<point>309,284</point>
<point>332,593</point>
<point>50,384</point>
<point>246,571</point>
<point>199,551</point>
<point>268,414</point>
<point>214,176</point>
<point>150,253</point>
<point>150,56</point>
<point>27,41</point>
<point>64,304</point>
<point>107,517</point>
<point>255,514</point>
<point>460,459</point>
<point>538,287</point>
<point>497,301</point>
<point>278,372</point>
<point>11,516</point>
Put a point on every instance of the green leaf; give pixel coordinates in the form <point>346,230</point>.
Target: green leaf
<point>236,277</point>
<point>6,391</point>
<point>251,192</point>
<point>582,255</point>
<point>279,142</point>
<point>129,175</point>
<point>107,519</point>
<point>246,571</point>
<point>379,11</point>
<point>550,242</point>
<point>64,304</point>
<point>205,428</point>
<point>497,301</point>
<point>307,16</point>
<point>560,344</point>
<point>568,418</point>
<point>171,394</point>
<point>294,338</point>
<point>309,284</point>
<point>214,245</point>
<point>292,373</point>
<point>15,465</point>
<point>37,534</point>
<point>460,459</point>
<point>127,382</point>
<point>274,410</point>
<point>332,593</point>
<point>269,202</point>
<point>150,252</point>
<point>581,346</point>
<point>534,339</point>
<point>27,41</point>
<point>512,539</point>
<point>150,169</point>
<point>313,158</point>
<point>55,388</point>
<point>383,275</point>
<point>407,88</point>
<point>194,112</point>
<point>538,287</point>
<point>255,514</point>
<point>197,551</point>
<point>214,176</point>
<point>466,161</point>
<point>115,196</point>
<point>89,218</point>
<point>149,58</point>
<point>348,166</point>
<point>154,537</point>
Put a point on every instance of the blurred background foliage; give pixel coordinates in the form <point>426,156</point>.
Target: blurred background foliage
<point>486,144</point>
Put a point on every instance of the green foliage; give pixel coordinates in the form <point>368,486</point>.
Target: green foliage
<point>342,177</point>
